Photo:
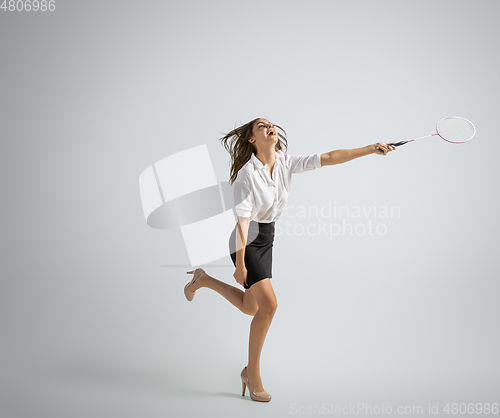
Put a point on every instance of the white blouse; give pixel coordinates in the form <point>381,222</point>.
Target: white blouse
<point>261,198</point>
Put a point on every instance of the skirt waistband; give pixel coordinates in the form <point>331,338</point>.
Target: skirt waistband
<point>261,226</point>
<point>262,223</point>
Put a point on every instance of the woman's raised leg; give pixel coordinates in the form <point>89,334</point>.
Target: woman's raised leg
<point>243,300</point>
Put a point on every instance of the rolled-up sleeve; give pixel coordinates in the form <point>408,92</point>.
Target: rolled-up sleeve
<point>243,199</point>
<point>300,163</point>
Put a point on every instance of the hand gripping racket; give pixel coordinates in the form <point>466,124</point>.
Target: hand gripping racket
<point>453,129</point>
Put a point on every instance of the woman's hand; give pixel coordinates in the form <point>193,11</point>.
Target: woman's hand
<point>240,275</point>
<point>382,148</point>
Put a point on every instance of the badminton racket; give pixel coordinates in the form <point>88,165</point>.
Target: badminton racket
<point>453,129</point>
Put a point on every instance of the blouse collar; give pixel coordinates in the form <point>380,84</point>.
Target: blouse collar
<point>258,163</point>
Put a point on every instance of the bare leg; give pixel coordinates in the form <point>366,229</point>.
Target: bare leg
<point>243,300</point>
<point>267,305</point>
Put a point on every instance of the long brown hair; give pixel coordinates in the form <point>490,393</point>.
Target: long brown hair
<point>236,143</point>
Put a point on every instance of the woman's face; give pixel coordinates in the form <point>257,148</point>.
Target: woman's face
<point>264,134</point>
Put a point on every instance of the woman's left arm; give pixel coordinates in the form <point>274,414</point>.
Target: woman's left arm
<point>340,156</point>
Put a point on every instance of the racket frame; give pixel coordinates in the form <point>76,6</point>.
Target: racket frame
<point>397,144</point>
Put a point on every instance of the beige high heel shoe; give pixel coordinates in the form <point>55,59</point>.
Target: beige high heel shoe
<point>189,293</point>
<point>256,396</point>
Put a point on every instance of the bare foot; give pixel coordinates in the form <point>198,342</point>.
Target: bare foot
<point>254,380</point>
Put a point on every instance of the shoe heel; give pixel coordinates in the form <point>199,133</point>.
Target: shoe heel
<point>255,396</point>
<point>189,295</point>
<point>244,387</point>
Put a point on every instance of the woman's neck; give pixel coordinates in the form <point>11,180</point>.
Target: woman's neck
<point>266,156</point>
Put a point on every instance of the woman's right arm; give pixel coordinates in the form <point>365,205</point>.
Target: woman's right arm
<point>241,241</point>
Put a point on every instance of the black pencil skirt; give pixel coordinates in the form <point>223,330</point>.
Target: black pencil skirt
<point>258,252</point>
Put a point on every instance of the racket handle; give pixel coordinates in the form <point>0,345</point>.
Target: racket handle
<point>397,144</point>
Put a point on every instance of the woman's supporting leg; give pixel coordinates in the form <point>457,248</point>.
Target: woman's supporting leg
<point>267,305</point>
<point>244,301</point>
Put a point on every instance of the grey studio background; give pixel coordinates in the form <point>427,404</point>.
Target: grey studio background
<point>93,319</point>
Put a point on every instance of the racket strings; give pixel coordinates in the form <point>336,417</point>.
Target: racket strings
<point>455,129</point>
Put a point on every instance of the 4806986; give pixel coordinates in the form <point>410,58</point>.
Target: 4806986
<point>28,5</point>
<point>471,408</point>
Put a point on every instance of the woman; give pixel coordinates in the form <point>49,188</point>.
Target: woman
<point>261,173</point>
